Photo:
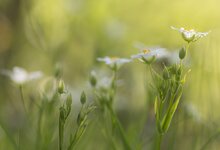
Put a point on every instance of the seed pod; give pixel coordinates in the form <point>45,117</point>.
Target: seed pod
<point>83,98</point>
<point>182,53</point>
<point>93,80</point>
<point>58,71</point>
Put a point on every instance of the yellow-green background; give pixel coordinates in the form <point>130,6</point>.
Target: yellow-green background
<point>37,34</point>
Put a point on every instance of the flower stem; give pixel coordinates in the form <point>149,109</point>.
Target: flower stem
<point>9,136</point>
<point>61,132</point>
<point>22,98</point>
<point>116,122</point>
<point>159,141</point>
<point>39,122</point>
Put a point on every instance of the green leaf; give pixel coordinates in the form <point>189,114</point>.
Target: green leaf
<point>170,113</point>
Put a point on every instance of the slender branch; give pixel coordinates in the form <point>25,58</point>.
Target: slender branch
<point>212,138</point>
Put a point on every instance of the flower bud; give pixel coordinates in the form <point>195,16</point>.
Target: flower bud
<point>69,100</point>
<point>61,87</point>
<point>83,98</point>
<point>58,70</point>
<point>182,53</point>
<point>93,80</point>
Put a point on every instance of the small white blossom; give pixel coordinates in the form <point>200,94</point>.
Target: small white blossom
<point>114,61</point>
<point>190,35</point>
<point>21,76</point>
<point>148,54</point>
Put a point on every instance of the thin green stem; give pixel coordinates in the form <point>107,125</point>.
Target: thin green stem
<point>120,128</point>
<point>78,134</point>
<point>13,142</point>
<point>38,139</point>
<point>61,133</point>
<point>159,141</point>
<point>22,98</point>
<point>212,138</point>
<point>187,48</point>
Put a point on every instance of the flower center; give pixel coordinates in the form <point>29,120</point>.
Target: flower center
<point>114,58</point>
<point>146,51</point>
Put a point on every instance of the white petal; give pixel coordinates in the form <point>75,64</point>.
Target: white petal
<point>35,75</point>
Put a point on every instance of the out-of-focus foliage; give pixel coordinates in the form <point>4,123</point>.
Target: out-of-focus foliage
<point>39,34</point>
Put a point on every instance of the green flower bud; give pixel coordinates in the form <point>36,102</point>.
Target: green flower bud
<point>93,80</point>
<point>83,98</point>
<point>58,70</point>
<point>69,100</point>
<point>61,87</point>
<point>182,53</point>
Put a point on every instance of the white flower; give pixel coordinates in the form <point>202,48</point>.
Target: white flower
<point>150,54</point>
<point>114,61</point>
<point>21,76</point>
<point>190,35</point>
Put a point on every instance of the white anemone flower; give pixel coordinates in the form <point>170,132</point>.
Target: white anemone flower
<point>114,61</point>
<point>190,35</point>
<point>20,76</point>
<point>148,55</point>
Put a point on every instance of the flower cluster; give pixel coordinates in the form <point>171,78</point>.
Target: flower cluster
<point>168,83</point>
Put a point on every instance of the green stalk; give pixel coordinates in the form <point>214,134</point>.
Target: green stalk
<point>159,141</point>
<point>79,132</point>
<point>120,128</point>
<point>38,139</point>
<point>22,98</point>
<point>211,139</point>
<point>61,130</point>
<point>9,136</point>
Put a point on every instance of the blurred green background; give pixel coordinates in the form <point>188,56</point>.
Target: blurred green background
<point>38,34</point>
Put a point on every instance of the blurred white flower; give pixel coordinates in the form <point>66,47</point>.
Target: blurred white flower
<point>21,76</point>
<point>190,35</point>
<point>192,111</point>
<point>114,61</point>
<point>149,54</point>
